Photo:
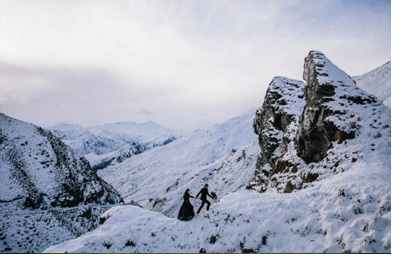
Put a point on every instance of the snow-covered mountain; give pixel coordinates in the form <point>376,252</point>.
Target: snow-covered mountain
<point>377,82</point>
<point>110,144</point>
<point>47,193</point>
<point>315,178</point>
<point>223,156</point>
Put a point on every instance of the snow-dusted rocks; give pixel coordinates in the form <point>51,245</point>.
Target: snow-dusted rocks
<point>334,108</point>
<point>276,125</point>
<point>39,175</point>
<point>311,130</point>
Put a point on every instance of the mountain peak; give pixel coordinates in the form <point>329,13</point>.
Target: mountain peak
<point>319,69</point>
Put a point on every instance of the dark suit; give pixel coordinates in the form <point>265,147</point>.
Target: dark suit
<point>203,197</point>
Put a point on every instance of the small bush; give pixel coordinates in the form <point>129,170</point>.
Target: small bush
<point>248,250</point>
<point>107,244</point>
<point>264,240</point>
<point>213,239</point>
<point>130,243</point>
<point>103,220</point>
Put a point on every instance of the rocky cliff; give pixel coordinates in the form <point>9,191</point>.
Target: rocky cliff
<point>312,129</point>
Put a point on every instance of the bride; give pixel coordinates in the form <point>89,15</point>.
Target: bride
<point>186,211</point>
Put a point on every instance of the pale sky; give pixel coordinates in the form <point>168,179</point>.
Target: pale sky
<point>182,64</point>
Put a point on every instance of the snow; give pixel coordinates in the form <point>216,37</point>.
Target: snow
<point>38,173</point>
<point>223,156</point>
<point>318,219</point>
<point>329,73</point>
<point>142,132</point>
<point>346,212</point>
<point>109,144</point>
<point>28,146</point>
<point>347,209</point>
<point>377,82</point>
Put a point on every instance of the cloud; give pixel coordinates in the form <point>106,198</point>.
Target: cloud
<point>86,95</point>
<point>146,113</point>
<point>179,60</point>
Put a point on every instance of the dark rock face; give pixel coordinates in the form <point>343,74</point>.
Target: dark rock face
<point>302,126</point>
<point>316,132</point>
<point>276,124</point>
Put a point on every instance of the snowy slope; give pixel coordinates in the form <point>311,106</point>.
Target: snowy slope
<point>47,193</point>
<point>377,82</point>
<point>346,209</point>
<point>348,213</point>
<point>223,156</point>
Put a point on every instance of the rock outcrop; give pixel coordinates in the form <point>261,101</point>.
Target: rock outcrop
<point>328,115</point>
<point>308,129</point>
<point>276,125</point>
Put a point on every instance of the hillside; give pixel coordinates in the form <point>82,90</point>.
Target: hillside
<point>322,181</point>
<point>47,193</point>
<point>377,82</point>
<point>223,156</point>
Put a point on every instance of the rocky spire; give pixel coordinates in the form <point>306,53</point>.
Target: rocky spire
<point>303,127</point>
<point>329,94</point>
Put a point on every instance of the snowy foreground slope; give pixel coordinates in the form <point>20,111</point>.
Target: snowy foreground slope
<point>342,214</point>
<point>346,207</point>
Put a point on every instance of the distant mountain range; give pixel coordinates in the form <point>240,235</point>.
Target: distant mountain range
<point>109,144</point>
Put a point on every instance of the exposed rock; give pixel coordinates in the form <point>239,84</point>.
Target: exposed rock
<point>326,85</point>
<point>303,128</point>
<point>276,124</point>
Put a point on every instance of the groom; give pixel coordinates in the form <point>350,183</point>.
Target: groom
<point>203,197</point>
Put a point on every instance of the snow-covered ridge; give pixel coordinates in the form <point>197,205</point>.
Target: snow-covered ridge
<point>377,82</point>
<point>44,181</point>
